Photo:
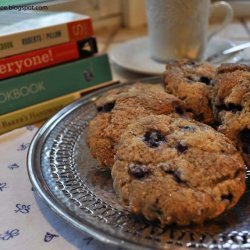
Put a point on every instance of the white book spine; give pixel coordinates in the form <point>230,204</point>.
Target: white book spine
<point>17,43</point>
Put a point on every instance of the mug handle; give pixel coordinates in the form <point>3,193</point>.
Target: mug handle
<point>227,19</point>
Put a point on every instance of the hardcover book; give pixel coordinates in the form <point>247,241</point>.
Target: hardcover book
<point>42,85</point>
<point>22,31</point>
<point>41,111</point>
<point>43,58</point>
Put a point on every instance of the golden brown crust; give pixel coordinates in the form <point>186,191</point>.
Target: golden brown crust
<point>177,170</point>
<point>231,67</point>
<point>232,105</point>
<point>119,108</point>
<point>192,82</point>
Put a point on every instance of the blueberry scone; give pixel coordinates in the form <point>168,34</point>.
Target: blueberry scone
<point>177,170</point>
<point>118,108</point>
<point>192,82</point>
<point>232,105</point>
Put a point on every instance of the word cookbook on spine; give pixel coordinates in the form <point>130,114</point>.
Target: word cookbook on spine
<point>42,85</point>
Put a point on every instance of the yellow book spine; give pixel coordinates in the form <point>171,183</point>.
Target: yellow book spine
<point>43,110</point>
<point>35,113</point>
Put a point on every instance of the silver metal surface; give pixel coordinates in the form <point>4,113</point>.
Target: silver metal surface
<point>68,179</point>
<point>229,51</point>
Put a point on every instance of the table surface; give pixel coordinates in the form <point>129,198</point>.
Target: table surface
<point>26,222</point>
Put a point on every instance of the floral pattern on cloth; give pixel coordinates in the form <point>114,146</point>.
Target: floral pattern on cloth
<point>26,222</point>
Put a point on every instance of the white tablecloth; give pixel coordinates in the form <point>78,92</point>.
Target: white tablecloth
<point>26,223</point>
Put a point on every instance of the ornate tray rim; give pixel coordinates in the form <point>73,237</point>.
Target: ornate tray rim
<point>41,187</point>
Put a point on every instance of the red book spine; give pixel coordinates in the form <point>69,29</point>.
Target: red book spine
<point>78,30</point>
<point>38,59</point>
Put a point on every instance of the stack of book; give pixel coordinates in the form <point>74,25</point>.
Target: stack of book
<point>47,60</point>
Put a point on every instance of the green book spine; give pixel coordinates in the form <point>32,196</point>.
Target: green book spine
<point>33,88</point>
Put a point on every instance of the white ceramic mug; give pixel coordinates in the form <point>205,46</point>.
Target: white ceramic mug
<point>179,28</point>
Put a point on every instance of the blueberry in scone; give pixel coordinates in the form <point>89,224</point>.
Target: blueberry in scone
<point>192,82</point>
<point>177,170</point>
<point>232,105</point>
<point>118,108</point>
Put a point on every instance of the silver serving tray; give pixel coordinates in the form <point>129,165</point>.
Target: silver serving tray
<point>68,179</point>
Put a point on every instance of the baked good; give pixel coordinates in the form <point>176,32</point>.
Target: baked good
<point>118,108</point>
<point>232,105</point>
<point>177,170</point>
<point>192,82</point>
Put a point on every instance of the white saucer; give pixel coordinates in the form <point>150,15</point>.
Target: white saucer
<point>134,55</point>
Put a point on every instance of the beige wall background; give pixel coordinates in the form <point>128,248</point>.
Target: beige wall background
<point>127,13</point>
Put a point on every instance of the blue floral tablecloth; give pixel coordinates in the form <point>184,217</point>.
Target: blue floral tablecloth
<point>26,222</point>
